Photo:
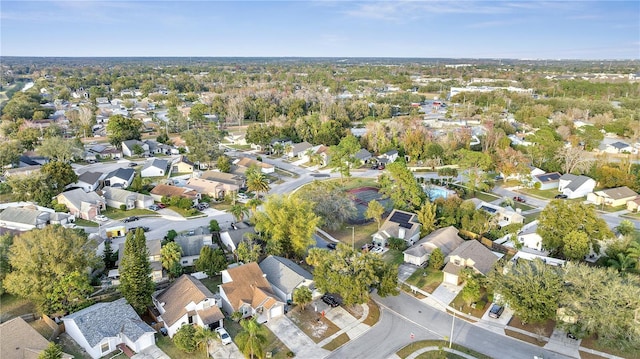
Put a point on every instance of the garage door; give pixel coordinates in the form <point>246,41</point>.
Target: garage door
<point>277,311</point>
<point>451,278</point>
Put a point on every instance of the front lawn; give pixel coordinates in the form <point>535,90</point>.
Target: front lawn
<point>540,193</point>
<point>539,329</point>
<point>312,323</point>
<point>427,279</point>
<point>374,313</point>
<point>12,306</point>
<point>84,223</point>
<point>528,218</point>
<point>593,343</point>
<point>487,197</point>
<point>116,213</point>
<point>362,234</point>
<point>275,346</point>
<point>167,346</point>
<point>409,349</point>
<point>212,283</point>
<point>481,306</point>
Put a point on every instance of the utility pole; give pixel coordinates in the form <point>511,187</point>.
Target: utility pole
<point>353,237</point>
<point>453,320</point>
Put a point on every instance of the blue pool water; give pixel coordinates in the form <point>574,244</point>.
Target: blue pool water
<point>437,192</point>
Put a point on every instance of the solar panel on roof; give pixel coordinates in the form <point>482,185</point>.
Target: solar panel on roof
<point>406,225</point>
<point>488,209</point>
<point>399,217</point>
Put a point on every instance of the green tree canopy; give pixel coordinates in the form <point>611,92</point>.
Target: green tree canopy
<point>53,351</point>
<point>302,296</point>
<point>120,128</point>
<point>252,339</point>
<point>211,261</point>
<point>59,175</point>
<point>402,187</point>
<point>41,260</point>
<point>330,203</point>
<point>60,149</point>
<point>135,272</point>
<point>185,338</point>
<point>374,211</point>
<point>170,255</point>
<point>343,155</point>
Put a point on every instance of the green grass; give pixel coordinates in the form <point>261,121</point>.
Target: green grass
<point>438,355</point>
<point>481,305</point>
<point>275,346</point>
<point>540,193</point>
<point>362,234</point>
<point>116,213</point>
<point>167,346</point>
<point>407,350</point>
<point>374,313</point>
<point>486,197</point>
<point>212,283</point>
<point>427,279</point>
<point>339,341</point>
<point>84,223</point>
<point>528,218</point>
<point>393,256</point>
<point>12,306</point>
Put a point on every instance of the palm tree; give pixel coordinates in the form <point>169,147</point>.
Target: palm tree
<point>252,339</point>
<point>633,252</point>
<point>202,337</point>
<point>170,255</point>
<point>239,211</point>
<point>257,181</point>
<point>622,262</point>
<point>253,204</point>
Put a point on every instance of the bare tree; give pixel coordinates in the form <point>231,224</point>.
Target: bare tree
<point>235,109</point>
<point>574,159</point>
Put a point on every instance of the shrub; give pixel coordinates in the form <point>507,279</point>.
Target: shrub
<point>185,338</point>
<point>123,207</point>
<point>397,244</point>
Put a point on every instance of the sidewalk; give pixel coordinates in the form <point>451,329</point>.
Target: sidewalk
<point>295,339</point>
<point>350,325</point>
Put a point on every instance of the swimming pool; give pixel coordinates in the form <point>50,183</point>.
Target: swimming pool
<point>435,192</point>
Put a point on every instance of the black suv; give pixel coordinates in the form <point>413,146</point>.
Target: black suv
<point>496,311</point>
<point>130,219</point>
<point>331,245</point>
<point>561,196</point>
<point>331,300</point>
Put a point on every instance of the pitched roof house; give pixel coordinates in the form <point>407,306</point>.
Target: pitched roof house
<point>285,276</point>
<point>23,219</point>
<point>211,188</point>
<point>222,177</point>
<point>19,340</point>
<point>575,186</point>
<point>128,147</point>
<point>188,301</point>
<point>164,190</point>
<point>100,328</point>
<point>82,204</point>
<point>245,289</point>
<point>122,177</point>
<point>248,162</point>
<point>447,239</point>
<point>89,181</point>
<point>363,155</point>
<point>298,149</point>
<point>613,197</point>
<point>547,180</point>
<point>182,165</point>
<point>502,215</point>
<point>399,224</point>
<point>154,168</point>
<point>116,197</point>
<point>238,233</point>
<point>633,205</point>
<point>154,247</point>
<point>192,244</point>
<point>470,254</point>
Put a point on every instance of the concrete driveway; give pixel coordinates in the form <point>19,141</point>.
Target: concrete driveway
<point>152,352</point>
<point>443,295</point>
<point>219,351</point>
<point>405,271</point>
<point>295,339</point>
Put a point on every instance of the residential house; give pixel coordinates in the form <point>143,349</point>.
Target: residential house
<point>547,180</point>
<point>633,205</point>
<point>24,219</point>
<point>154,168</point>
<point>191,245</point>
<point>82,204</point>
<point>165,190</point>
<point>117,197</point>
<point>503,216</point>
<point>528,255</point>
<point>285,276</point>
<point>227,178</point>
<point>239,232</point>
<point>529,237</point>
<point>154,247</point>
<point>128,148</point>
<point>447,239</point>
<point>210,188</point>
<point>122,177</point>
<point>102,327</point>
<point>620,147</point>
<point>470,254</point>
<point>105,152</point>
<point>526,177</point>
<point>19,340</point>
<point>614,197</point>
<point>89,181</point>
<point>158,148</point>
<point>248,162</point>
<point>299,149</point>
<point>182,165</point>
<point>575,186</point>
<point>399,224</point>
<point>363,156</point>
<point>188,301</point>
<point>388,157</point>
<point>322,152</point>
<point>245,289</point>
<point>32,160</point>
<point>22,171</point>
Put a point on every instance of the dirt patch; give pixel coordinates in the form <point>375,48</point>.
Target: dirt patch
<point>524,337</point>
<point>355,310</point>
<point>586,355</point>
<point>545,329</point>
<point>312,323</point>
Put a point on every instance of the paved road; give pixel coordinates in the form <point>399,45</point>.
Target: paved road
<point>402,315</point>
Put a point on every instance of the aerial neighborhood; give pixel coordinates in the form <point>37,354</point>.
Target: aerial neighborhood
<point>319,209</point>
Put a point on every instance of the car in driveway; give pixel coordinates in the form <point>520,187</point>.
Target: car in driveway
<point>519,199</point>
<point>144,228</point>
<point>101,218</point>
<point>330,300</point>
<point>154,207</point>
<point>130,219</point>
<point>331,245</point>
<point>561,196</point>
<point>242,196</point>
<point>224,336</point>
<point>496,311</point>
<point>161,205</point>
<point>378,250</point>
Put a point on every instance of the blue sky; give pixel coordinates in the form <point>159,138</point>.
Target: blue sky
<point>471,29</point>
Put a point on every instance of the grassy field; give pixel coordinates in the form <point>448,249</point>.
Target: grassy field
<point>393,256</point>
<point>12,306</point>
<point>427,279</point>
<point>481,306</point>
<point>339,341</point>
<point>115,213</point>
<point>361,235</point>
<point>167,346</point>
<point>212,283</point>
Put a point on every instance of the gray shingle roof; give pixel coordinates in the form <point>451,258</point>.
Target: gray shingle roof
<point>78,196</point>
<point>283,273</point>
<point>21,215</point>
<point>619,192</point>
<point>157,163</point>
<point>481,255</point>
<point>577,182</point>
<point>89,177</point>
<point>122,173</point>
<point>363,155</point>
<point>103,320</point>
<point>446,239</point>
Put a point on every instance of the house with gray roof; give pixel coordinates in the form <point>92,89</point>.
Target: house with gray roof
<point>614,197</point>
<point>547,180</point>
<point>128,147</point>
<point>446,239</point>
<point>188,301</point>
<point>122,177</point>
<point>470,254</point>
<point>285,276</point>
<point>102,327</point>
<point>240,231</point>
<point>399,224</point>
<point>575,186</point>
<point>19,340</point>
<point>82,204</point>
<point>191,244</point>
<point>363,155</point>
<point>23,219</point>
<point>620,147</point>
<point>116,197</point>
<point>89,181</point>
<point>154,168</point>
<point>299,149</point>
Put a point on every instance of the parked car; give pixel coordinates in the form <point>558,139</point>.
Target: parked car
<point>101,218</point>
<point>331,245</point>
<point>378,250</point>
<point>145,229</point>
<point>331,300</point>
<point>130,219</point>
<point>242,196</point>
<point>154,207</point>
<point>519,199</point>
<point>571,336</point>
<point>496,311</point>
<point>161,205</point>
<point>367,246</point>
<point>224,336</point>
<point>561,196</point>
<point>202,206</point>
<point>132,164</point>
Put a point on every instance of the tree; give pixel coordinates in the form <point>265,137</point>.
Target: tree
<point>622,262</point>
<point>58,175</point>
<point>53,351</point>
<point>374,211</point>
<point>633,251</point>
<point>330,203</point>
<point>402,187</point>
<point>256,180</point>
<point>436,259</point>
<point>31,188</point>
<point>108,256</point>
<point>135,272</point>
<point>211,261</point>
<point>397,244</point>
<point>288,224</point>
<point>60,149</point>
<point>559,218</point>
<point>41,258</point>
<point>475,165</point>
<point>252,339</point>
<point>224,164</point>
<point>121,129</point>
<point>248,251</point>
<point>170,255</point>
<point>625,227</point>
<point>6,241</point>
<point>70,293</point>
<point>427,217</point>
<point>471,291</point>
<point>531,288</point>
<point>302,296</point>
<point>351,274</point>
<point>203,144</point>
<point>184,339</point>
<point>214,226</point>
<point>343,155</point>
<point>574,160</point>
<point>576,245</point>
<point>202,337</point>
<point>239,211</point>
